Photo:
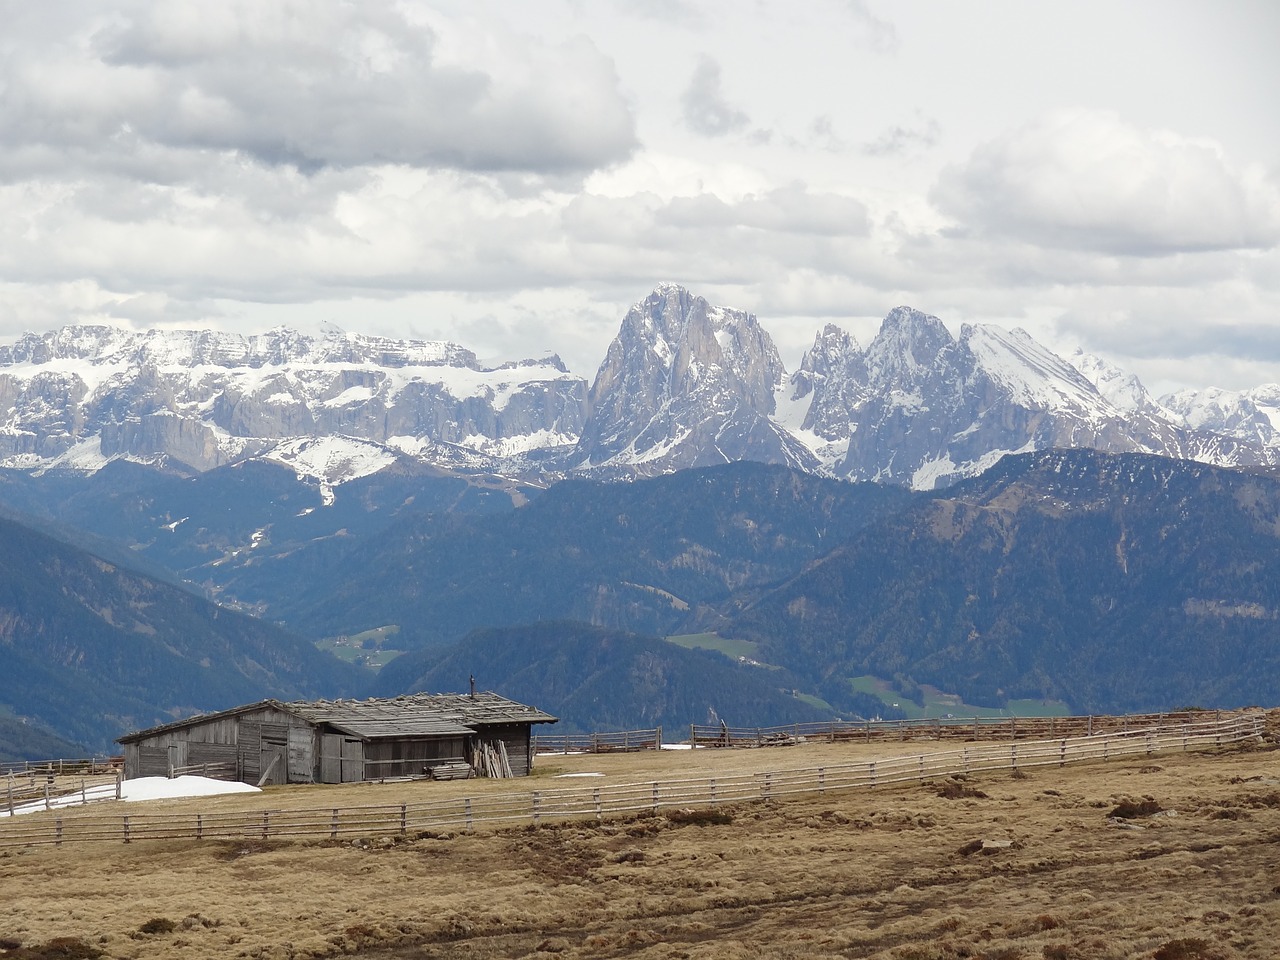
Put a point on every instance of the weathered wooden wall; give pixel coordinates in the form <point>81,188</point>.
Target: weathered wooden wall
<point>410,757</point>
<point>515,737</point>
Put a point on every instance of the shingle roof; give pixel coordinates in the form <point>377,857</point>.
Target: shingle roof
<point>419,714</point>
<point>482,708</point>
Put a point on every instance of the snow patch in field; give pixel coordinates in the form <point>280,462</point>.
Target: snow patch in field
<point>138,789</point>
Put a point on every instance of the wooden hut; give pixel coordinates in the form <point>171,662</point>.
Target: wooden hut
<point>338,741</point>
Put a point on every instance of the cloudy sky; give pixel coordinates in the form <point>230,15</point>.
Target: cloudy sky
<point>512,174</point>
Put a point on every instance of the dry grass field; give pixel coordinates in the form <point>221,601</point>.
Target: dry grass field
<point>996,866</point>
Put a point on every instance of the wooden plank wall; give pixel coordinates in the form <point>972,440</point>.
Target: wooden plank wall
<point>515,737</point>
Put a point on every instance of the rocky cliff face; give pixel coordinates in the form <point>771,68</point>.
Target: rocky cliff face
<point>923,409</point>
<point>84,395</point>
<point>685,384</point>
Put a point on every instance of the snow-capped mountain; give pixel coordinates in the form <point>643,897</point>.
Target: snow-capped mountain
<point>923,409</point>
<point>1251,416</point>
<point>685,384</point>
<point>83,395</point>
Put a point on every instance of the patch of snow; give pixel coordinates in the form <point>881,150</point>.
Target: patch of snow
<point>511,446</point>
<point>139,789</point>
<point>86,457</point>
<point>331,460</point>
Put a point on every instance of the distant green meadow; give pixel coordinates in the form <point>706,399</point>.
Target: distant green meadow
<point>365,649</point>
<point>938,704</point>
<point>736,649</point>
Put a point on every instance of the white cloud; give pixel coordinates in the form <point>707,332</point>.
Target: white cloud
<point>1088,180</point>
<point>307,85</point>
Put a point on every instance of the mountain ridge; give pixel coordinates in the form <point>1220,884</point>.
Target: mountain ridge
<point>685,383</point>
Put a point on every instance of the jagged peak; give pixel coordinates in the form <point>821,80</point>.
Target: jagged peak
<point>1123,390</point>
<point>908,340</point>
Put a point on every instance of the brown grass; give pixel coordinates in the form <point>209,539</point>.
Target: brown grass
<point>872,873</point>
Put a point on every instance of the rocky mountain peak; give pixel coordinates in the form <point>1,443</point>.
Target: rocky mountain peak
<point>909,343</point>
<point>684,383</point>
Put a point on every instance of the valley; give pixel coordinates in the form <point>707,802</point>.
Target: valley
<point>981,524</point>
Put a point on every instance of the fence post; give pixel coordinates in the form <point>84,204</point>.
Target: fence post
<point>1090,733</point>
<point>537,801</point>
<point>655,796</point>
<point>966,761</point>
<point>872,767</point>
<point>266,824</point>
<point>404,819</point>
<point>768,785</point>
<point>333,825</point>
<point>657,740</point>
<point>57,832</point>
<point>693,737</point>
<point>119,778</point>
<point>1013,755</point>
<point>595,797</point>
<point>84,794</point>
<point>11,793</point>
<point>713,789</point>
<point>466,806</point>
<point>126,829</point>
<point>922,768</point>
<point>46,796</point>
<point>1062,761</point>
<point>199,826</point>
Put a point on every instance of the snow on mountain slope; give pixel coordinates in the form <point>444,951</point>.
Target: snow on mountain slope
<point>684,383</point>
<point>1122,390</point>
<point>202,399</point>
<point>1031,375</point>
<point>1252,416</point>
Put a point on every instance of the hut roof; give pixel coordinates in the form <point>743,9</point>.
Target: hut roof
<point>419,714</point>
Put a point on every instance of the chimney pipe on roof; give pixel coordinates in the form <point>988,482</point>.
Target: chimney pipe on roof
<point>473,686</point>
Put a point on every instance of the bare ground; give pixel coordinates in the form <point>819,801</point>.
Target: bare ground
<point>1194,872</point>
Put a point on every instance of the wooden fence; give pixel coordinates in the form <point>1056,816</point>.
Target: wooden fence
<point>61,768</point>
<point>544,806</point>
<point>943,728</point>
<point>623,740</point>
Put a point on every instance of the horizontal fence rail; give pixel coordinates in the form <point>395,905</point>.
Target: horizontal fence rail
<point>623,740</point>
<point>464,814</point>
<point>61,768</point>
<point>939,728</point>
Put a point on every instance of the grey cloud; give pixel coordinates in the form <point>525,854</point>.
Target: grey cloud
<point>706,111</point>
<point>357,85</point>
<point>874,33</point>
<point>899,141</point>
<point>1186,335</point>
<point>789,209</point>
<point>1086,180</point>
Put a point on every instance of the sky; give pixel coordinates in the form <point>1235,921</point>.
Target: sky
<point>513,174</point>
